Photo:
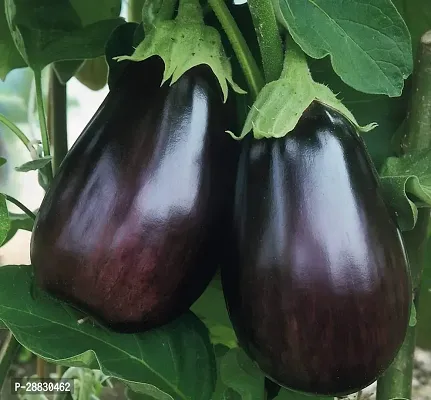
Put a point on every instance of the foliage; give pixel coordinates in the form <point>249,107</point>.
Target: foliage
<point>353,55</point>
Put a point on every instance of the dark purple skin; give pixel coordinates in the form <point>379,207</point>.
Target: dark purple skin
<point>319,288</point>
<point>131,230</point>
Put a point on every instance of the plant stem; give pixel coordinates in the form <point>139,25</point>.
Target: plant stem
<point>419,118</point>
<point>18,132</point>
<point>7,355</point>
<point>271,48</point>
<point>245,57</point>
<point>57,119</point>
<point>21,206</point>
<point>42,120</point>
<point>134,12</point>
<point>59,370</point>
<point>397,380</point>
<point>40,368</point>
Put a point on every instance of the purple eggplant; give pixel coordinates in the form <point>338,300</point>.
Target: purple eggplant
<point>131,229</point>
<point>317,287</point>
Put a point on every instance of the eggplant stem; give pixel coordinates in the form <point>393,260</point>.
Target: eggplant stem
<point>268,37</point>
<point>396,382</point>
<point>246,60</point>
<point>40,368</point>
<point>42,122</point>
<point>57,119</point>
<point>13,200</point>
<point>134,11</point>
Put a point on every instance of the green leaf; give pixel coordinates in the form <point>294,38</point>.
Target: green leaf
<point>368,42</point>
<point>387,112</point>
<point>65,70</point>
<point>17,222</point>
<point>88,12</point>
<point>211,309</point>
<point>92,11</point>
<point>222,391</point>
<point>281,103</point>
<point>395,194</point>
<point>34,165</point>
<point>93,73</point>
<point>242,375</point>
<point>184,43</point>
<point>175,361</point>
<point>406,183</point>
<point>4,219</point>
<point>10,57</point>
<point>3,161</point>
<point>53,32</point>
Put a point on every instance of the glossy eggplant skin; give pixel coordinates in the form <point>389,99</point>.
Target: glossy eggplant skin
<point>131,229</point>
<point>318,288</point>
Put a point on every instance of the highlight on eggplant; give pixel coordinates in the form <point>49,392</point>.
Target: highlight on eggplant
<point>318,288</point>
<point>131,229</point>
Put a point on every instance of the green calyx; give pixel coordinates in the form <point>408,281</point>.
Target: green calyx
<point>184,43</point>
<point>281,103</point>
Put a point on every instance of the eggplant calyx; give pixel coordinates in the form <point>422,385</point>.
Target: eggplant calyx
<point>281,103</point>
<point>184,43</point>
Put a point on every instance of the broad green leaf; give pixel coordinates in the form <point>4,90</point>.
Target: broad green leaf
<point>211,309</point>
<point>184,43</point>
<point>222,391</point>
<point>93,73</point>
<point>4,219</point>
<point>18,221</point>
<point>34,165</point>
<point>9,55</point>
<point>395,193</point>
<point>89,12</point>
<point>92,11</point>
<point>176,360</point>
<point>406,182</point>
<point>281,103</point>
<point>387,112</point>
<point>65,70</point>
<point>53,32</point>
<point>368,42</point>
<point>417,15</point>
<point>2,161</point>
<point>242,375</point>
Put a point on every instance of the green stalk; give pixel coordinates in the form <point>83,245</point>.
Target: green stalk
<point>397,380</point>
<point>7,356</point>
<point>246,60</point>
<point>18,132</point>
<point>270,44</point>
<point>134,12</point>
<point>42,121</point>
<point>21,206</point>
<point>57,119</point>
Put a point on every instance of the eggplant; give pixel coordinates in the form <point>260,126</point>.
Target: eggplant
<point>131,229</point>
<point>318,285</point>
